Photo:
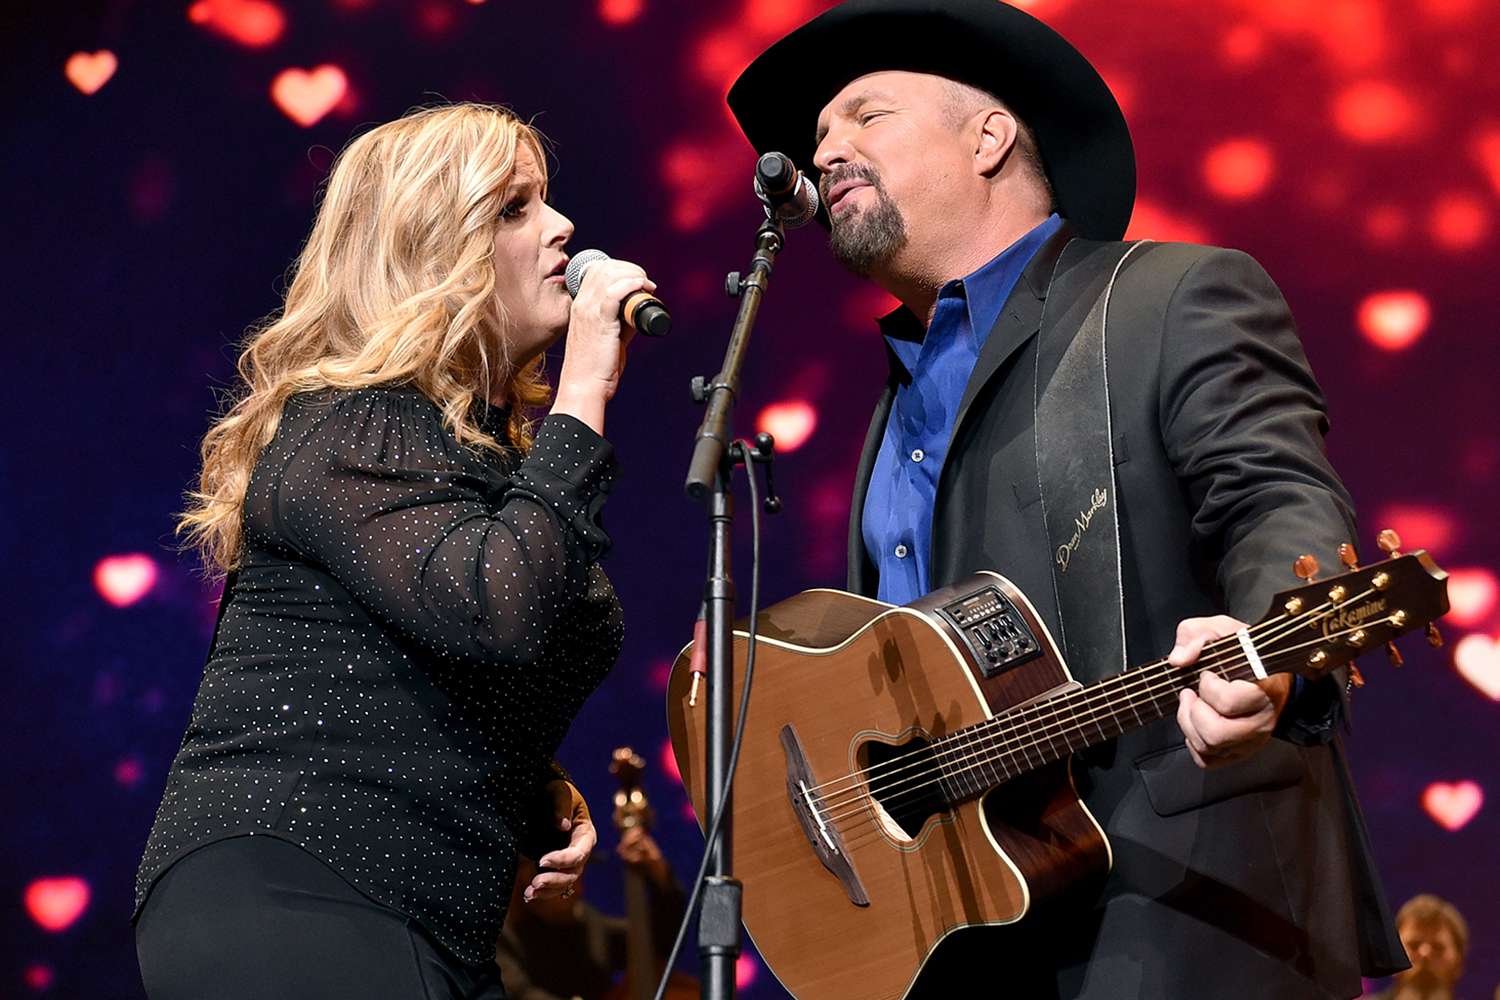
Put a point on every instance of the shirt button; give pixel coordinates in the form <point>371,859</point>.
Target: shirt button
<point>901,552</point>
<point>917,454</point>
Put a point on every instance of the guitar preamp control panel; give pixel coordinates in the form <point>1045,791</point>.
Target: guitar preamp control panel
<point>996,634</point>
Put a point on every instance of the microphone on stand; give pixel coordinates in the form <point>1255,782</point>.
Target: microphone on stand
<point>787,193</point>
<point>642,311</point>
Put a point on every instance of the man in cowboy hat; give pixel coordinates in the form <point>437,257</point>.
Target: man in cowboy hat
<point>974,165</point>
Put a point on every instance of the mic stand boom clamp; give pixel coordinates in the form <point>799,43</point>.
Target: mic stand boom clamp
<point>709,478</point>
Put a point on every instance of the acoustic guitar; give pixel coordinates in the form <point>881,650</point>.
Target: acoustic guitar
<point>904,772</point>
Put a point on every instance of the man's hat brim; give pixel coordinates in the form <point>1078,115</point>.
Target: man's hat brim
<point>1079,127</point>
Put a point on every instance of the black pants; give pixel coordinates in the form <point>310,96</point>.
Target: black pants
<point>256,918</point>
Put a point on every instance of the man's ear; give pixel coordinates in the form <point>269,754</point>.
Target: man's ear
<point>994,141</point>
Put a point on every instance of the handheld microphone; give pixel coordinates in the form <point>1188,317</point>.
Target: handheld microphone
<point>787,193</point>
<point>640,310</point>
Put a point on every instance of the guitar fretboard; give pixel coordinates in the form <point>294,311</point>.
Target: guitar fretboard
<point>976,758</point>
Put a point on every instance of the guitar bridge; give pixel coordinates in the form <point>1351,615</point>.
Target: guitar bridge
<point>823,836</point>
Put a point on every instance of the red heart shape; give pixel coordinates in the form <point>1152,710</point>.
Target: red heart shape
<point>123,580</point>
<point>88,71</point>
<point>1472,595</point>
<point>1452,805</point>
<point>1477,658</point>
<point>256,23</point>
<point>55,903</point>
<point>306,96</point>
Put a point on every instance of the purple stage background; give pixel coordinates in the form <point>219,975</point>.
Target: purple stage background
<point>161,169</point>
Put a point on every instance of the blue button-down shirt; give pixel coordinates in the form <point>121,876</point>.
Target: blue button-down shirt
<point>897,519</point>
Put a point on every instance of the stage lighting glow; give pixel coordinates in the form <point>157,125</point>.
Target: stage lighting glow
<point>305,96</point>
<point>1452,804</point>
<point>1449,10</point>
<point>668,761</point>
<point>1244,44</point>
<point>661,674</point>
<point>772,18</point>
<point>1238,169</point>
<point>746,970</point>
<point>1394,320</point>
<point>790,422</point>
<point>252,23</point>
<point>1472,594</point>
<point>39,977</point>
<point>122,580</point>
<point>1374,111</point>
<point>435,18</point>
<point>1386,224</point>
<point>88,71</point>
<point>1477,659</point>
<point>128,772</point>
<point>681,165</point>
<point>1151,221</point>
<point>1459,222</point>
<point>618,12</point>
<point>1421,526</point>
<point>1487,152</point>
<point>866,304</point>
<point>55,903</point>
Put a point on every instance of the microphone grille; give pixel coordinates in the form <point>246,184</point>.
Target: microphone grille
<point>809,192</point>
<point>577,265</point>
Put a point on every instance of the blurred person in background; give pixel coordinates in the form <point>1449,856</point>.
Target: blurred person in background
<point>414,609</point>
<point>1436,938</point>
<point>563,947</point>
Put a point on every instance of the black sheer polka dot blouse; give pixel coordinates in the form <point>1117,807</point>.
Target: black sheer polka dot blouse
<point>413,627</point>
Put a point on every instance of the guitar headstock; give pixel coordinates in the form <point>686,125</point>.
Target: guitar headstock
<point>1326,624</point>
<point>631,807</point>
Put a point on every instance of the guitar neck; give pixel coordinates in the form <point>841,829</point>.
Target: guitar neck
<point>979,757</point>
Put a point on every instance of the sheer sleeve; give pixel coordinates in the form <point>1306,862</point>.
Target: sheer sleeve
<point>460,559</point>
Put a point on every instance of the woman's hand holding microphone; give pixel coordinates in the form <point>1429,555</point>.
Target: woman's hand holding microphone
<point>594,356</point>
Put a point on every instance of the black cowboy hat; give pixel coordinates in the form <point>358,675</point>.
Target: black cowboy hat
<point>1079,128</point>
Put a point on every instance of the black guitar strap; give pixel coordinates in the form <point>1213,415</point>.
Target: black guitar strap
<point>1076,473</point>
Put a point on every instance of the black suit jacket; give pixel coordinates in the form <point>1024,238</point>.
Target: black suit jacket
<point>1252,880</point>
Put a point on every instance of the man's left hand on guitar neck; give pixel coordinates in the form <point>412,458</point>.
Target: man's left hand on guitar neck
<point>1224,721</point>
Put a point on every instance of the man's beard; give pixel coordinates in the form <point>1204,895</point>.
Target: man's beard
<point>862,239</point>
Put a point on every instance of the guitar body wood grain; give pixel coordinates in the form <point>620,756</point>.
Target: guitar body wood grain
<point>847,673</point>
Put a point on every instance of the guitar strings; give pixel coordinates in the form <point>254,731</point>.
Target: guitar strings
<point>1214,650</point>
<point>1024,730</point>
<point>1016,728</point>
<point>870,813</point>
<point>857,832</point>
<point>982,736</point>
<point>1095,691</point>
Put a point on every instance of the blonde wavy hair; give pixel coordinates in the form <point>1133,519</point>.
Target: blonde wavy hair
<point>396,285</point>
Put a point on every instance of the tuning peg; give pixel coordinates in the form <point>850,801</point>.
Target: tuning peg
<point>1348,556</point>
<point>1389,542</point>
<point>1306,568</point>
<point>1397,660</point>
<point>1356,679</point>
<point>1434,637</point>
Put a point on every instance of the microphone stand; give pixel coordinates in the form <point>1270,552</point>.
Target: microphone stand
<point>710,479</point>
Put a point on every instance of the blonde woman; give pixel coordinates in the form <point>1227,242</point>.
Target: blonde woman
<point>414,610</point>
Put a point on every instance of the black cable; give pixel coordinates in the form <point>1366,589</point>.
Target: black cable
<point>739,722</point>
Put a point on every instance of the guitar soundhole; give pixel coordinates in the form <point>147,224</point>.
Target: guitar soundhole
<point>903,779</point>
